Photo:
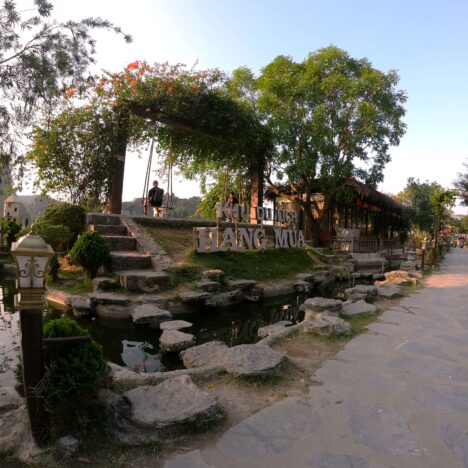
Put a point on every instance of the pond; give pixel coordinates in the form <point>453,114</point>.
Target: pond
<point>138,347</point>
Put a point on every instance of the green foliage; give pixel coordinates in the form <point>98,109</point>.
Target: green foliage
<point>54,267</point>
<point>91,252</point>
<point>58,237</point>
<point>256,265</point>
<point>331,117</point>
<point>9,229</point>
<point>72,155</point>
<point>73,374</point>
<point>42,60</point>
<point>462,185</point>
<point>66,214</point>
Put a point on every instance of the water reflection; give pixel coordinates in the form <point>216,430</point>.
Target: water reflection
<point>135,355</point>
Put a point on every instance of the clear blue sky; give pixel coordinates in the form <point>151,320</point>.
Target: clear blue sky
<point>426,41</point>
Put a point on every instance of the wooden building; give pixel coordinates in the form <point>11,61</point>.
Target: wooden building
<point>365,220</point>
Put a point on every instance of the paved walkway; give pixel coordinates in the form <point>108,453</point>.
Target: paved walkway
<point>394,397</point>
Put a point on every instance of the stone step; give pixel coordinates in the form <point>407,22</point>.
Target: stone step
<point>109,229</point>
<point>120,243</point>
<point>148,281</point>
<point>129,261</point>
<point>100,218</point>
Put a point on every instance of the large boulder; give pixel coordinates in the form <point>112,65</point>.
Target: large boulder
<point>173,341</point>
<point>150,314</point>
<point>174,404</point>
<point>209,286</point>
<point>274,328</point>
<point>391,291</point>
<point>361,292</point>
<point>194,297</point>
<point>225,298</point>
<point>252,360</point>
<point>207,354</point>
<point>327,325</point>
<point>350,309</point>
<point>321,305</point>
<point>214,275</point>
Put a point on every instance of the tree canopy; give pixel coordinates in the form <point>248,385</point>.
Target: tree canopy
<point>41,60</point>
<point>461,185</point>
<point>331,116</point>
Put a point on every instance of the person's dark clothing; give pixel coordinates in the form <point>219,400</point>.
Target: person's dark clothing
<point>155,197</point>
<point>233,200</point>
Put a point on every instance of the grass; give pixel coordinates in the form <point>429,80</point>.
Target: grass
<point>72,282</point>
<point>253,264</point>
<point>176,241</point>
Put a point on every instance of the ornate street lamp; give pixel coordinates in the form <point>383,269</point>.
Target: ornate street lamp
<point>32,256</point>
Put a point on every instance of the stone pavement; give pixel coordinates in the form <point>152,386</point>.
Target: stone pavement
<point>394,397</point>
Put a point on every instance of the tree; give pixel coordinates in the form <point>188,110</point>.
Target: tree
<point>72,155</point>
<point>461,184</point>
<point>41,62</point>
<point>331,116</point>
<point>188,111</point>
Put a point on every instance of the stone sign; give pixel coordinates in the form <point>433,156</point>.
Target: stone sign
<point>214,239</point>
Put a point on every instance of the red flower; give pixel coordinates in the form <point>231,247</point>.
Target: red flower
<point>70,92</point>
<point>170,89</point>
<point>133,65</point>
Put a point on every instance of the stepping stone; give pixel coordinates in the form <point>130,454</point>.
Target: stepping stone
<point>252,360</point>
<point>111,305</point>
<point>274,328</point>
<point>81,303</point>
<point>149,281</point>
<point>109,298</point>
<point>173,341</point>
<point>173,404</point>
<point>150,314</point>
<point>361,292</point>
<point>208,286</point>
<point>317,305</point>
<point>302,286</point>
<point>102,283</point>
<point>327,325</point>
<point>175,325</point>
<point>309,277</point>
<point>129,261</point>
<point>207,354</point>
<point>389,292</point>
<point>242,284</point>
<point>213,275</point>
<point>161,301</point>
<point>351,309</point>
<point>194,297</point>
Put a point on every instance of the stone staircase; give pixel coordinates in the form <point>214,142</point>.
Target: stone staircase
<point>134,267</point>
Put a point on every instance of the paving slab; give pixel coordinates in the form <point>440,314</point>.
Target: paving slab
<point>396,396</point>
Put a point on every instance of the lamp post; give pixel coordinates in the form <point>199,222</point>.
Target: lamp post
<point>32,256</point>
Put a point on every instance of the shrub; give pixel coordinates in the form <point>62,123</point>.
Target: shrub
<point>10,229</point>
<point>73,374</point>
<point>54,267</point>
<point>91,252</point>
<point>65,214</point>
<point>58,236</point>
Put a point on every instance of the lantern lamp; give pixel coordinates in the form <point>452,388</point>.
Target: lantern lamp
<point>32,256</point>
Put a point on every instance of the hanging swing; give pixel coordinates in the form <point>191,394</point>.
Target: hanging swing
<point>169,196</point>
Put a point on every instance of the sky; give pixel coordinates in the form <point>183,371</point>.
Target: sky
<point>424,40</point>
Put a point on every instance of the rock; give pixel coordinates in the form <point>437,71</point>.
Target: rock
<point>302,286</point>
<point>309,277</point>
<point>415,274</point>
<point>254,295</point>
<point>174,341</point>
<point>319,305</point>
<point>327,325</point>
<point>9,399</point>
<point>214,275</point>
<point>361,292</point>
<point>274,328</point>
<point>209,286</point>
<point>150,314</point>
<point>67,446</point>
<point>194,297</point>
<point>158,299</point>
<point>171,405</point>
<point>282,288</point>
<point>224,299</point>
<point>207,354</point>
<point>252,360</point>
<point>389,292</point>
<point>175,325</point>
<point>81,303</point>
<point>13,429</point>
<point>113,311</point>
<point>103,283</point>
<point>242,284</point>
<point>350,309</point>
<point>398,277</point>
<point>109,298</point>
<point>408,265</point>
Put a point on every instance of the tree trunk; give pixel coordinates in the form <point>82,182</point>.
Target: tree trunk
<point>118,156</point>
<point>256,188</point>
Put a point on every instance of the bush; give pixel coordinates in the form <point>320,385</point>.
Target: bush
<point>10,229</point>
<point>72,376</point>
<point>57,236</point>
<point>65,214</point>
<point>91,252</point>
